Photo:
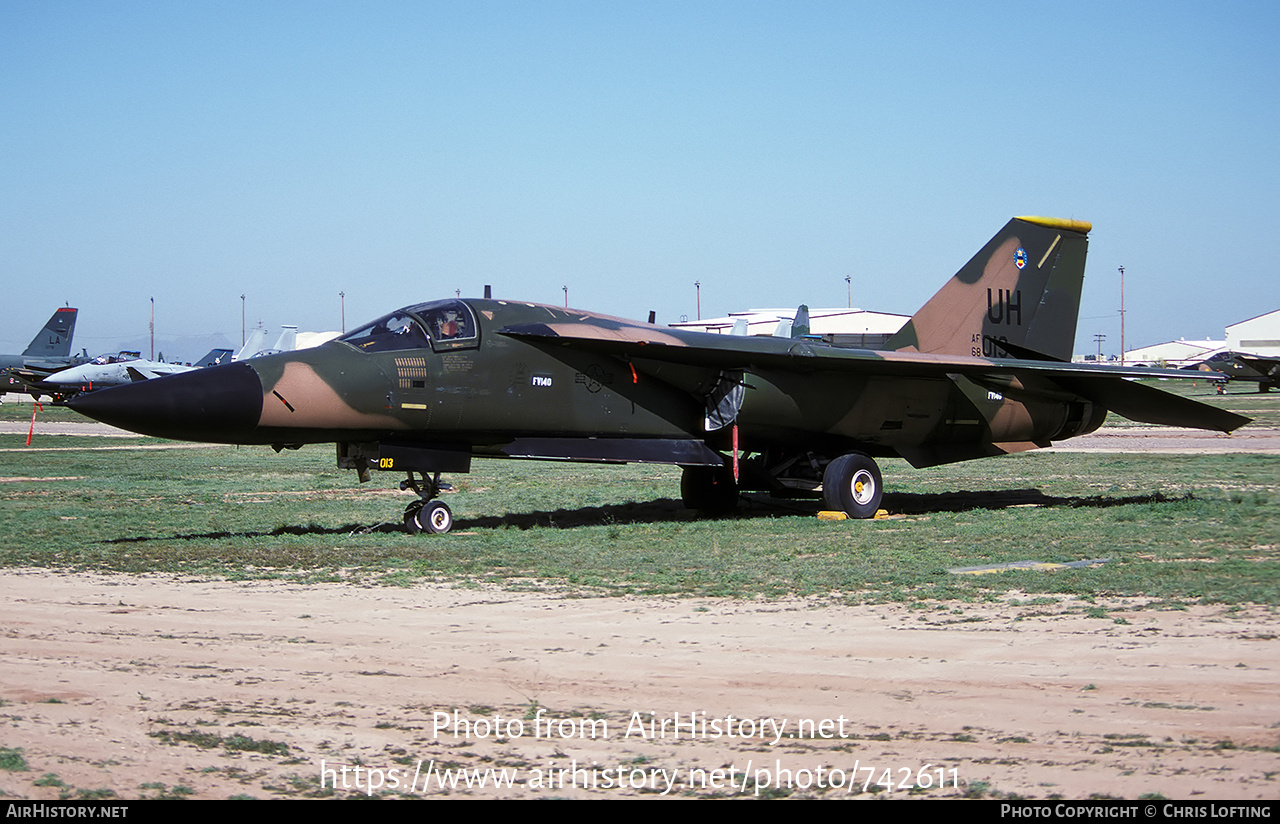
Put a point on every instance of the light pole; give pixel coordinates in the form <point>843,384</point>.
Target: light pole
<point>697,285</point>
<point>848,281</point>
<point>566,296</point>
<point>1122,316</point>
<point>342,297</point>
<point>242,338</point>
<point>153,329</point>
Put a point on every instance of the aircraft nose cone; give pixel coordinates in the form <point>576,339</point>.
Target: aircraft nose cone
<point>220,404</point>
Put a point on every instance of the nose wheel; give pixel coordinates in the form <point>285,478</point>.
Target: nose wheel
<point>433,517</point>
<point>426,514</point>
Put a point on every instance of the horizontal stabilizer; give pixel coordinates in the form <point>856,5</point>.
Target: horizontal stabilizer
<point>1023,353</point>
<point>1147,404</point>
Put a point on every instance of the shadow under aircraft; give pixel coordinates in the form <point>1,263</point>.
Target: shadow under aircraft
<point>982,369</point>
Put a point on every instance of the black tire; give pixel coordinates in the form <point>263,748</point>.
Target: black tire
<point>851,484</point>
<point>411,517</point>
<point>709,489</point>
<point>434,517</point>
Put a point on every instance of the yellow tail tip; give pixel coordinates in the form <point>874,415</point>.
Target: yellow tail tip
<point>1082,226</point>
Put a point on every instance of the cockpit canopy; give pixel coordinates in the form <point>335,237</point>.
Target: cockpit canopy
<point>112,357</point>
<point>443,325</point>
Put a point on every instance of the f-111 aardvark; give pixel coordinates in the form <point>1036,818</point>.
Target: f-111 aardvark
<point>982,369</point>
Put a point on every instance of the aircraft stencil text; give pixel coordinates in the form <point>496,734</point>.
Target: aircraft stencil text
<point>1005,306</point>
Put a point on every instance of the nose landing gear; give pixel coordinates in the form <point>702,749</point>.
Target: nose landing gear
<point>426,514</point>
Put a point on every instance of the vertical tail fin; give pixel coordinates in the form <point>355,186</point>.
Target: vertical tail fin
<point>288,340</point>
<point>1018,297</point>
<point>54,340</point>
<point>215,357</point>
<point>800,324</point>
<point>252,345</point>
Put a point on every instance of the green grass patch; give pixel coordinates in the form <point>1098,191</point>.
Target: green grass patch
<point>11,759</point>
<point>1179,528</point>
<point>209,740</point>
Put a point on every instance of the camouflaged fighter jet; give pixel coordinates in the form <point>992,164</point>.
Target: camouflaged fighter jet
<point>980,370</point>
<point>1240,366</point>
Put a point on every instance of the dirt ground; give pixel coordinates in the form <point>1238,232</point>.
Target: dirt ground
<point>161,686</point>
<point>154,685</point>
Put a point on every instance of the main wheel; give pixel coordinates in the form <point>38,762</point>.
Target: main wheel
<point>411,517</point>
<point>434,517</point>
<point>852,484</point>
<point>709,489</point>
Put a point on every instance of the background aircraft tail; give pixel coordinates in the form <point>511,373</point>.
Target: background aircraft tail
<point>288,340</point>
<point>1019,297</point>
<point>800,324</point>
<point>54,340</point>
<point>215,357</point>
<point>251,345</point>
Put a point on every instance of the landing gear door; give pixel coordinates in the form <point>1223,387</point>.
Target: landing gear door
<point>724,401</point>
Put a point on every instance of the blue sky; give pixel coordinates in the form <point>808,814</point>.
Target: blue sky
<point>397,152</point>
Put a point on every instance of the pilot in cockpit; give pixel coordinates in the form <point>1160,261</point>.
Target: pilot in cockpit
<point>448,325</point>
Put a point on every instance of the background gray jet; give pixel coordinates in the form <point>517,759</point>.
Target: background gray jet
<point>115,370</point>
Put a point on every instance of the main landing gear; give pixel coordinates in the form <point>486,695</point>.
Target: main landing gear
<point>851,484</point>
<point>427,514</point>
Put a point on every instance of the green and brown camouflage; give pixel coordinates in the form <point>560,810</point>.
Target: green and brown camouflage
<point>1239,366</point>
<point>980,370</point>
<point>1022,288</point>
